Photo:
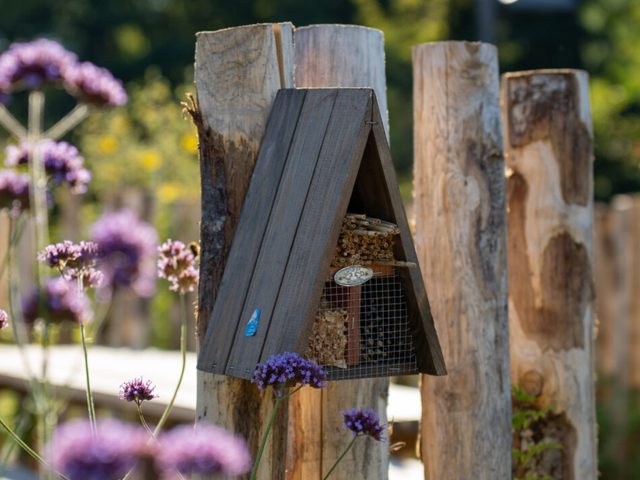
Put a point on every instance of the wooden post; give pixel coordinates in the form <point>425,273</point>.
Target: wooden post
<point>459,190</point>
<point>549,148</point>
<point>338,56</point>
<point>238,72</point>
<point>613,265</point>
<point>634,315</point>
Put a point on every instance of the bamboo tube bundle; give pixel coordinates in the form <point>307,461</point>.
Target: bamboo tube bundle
<point>364,240</point>
<point>328,339</point>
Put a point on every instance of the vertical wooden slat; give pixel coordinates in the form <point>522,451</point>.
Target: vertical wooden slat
<point>237,76</point>
<point>549,148</point>
<point>459,190</point>
<point>341,56</point>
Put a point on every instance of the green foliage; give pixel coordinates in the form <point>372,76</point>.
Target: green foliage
<point>524,414</point>
<point>523,417</point>
<point>146,144</point>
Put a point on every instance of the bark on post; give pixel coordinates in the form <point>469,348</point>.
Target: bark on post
<point>459,190</point>
<point>338,56</point>
<point>238,72</point>
<point>549,148</point>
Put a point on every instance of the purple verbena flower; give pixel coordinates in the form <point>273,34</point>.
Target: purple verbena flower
<point>280,369</point>
<point>59,255</point>
<point>87,255</point>
<point>58,301</point>
<point>127,249</point>
<point>94,85</point>
<point>177,264</point>
<point>108,455</point>
<point>91,278</point>
<point>206,450</point>
<point>62,162</point>
<point>4,319</point>
<point>137,390</point>
<point>33,64</point>
<point>14,191</point>
<point>186,281</point>
<point>364,422</point>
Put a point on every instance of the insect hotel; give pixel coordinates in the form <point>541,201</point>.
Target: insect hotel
<point>323,263</point>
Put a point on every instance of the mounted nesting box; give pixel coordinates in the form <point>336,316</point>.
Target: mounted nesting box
<point>304,275</point>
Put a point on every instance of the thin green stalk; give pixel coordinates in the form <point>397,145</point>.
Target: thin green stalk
<point>68,122</point>
<point>38,206</point>
<point>183,350</point>
<point>144,424</point>
<point>254,472</point>
<point>92,412</point>
<point>90,405</point>
<point>28,449</point>
<point>13,126</point>
<point>13,240</point>
<point>341,457</point>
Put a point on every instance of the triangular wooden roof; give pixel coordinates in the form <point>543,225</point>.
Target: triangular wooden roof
<point>304,180</point>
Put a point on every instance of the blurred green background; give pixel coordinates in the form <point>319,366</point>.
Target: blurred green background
<point>150,45</point>
<point>148,151</point>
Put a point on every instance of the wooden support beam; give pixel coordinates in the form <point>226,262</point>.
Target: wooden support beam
<point>238,72</point>
<point>338,56</point>
<point>549,149</point>
<point>459,190</point>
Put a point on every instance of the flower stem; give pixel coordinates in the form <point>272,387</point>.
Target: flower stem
<point>92,412</point>
<point>13,240</point>
<point>183,350</point>
<point>68,122</point>
<point>254,472</point>
<point>12,125</point>
<point>28,449</point>
<point>38,206</point>
<point>144,423</point>
<point>341,457</point>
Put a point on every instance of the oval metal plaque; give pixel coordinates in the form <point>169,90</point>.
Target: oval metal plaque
<point>352,276</point>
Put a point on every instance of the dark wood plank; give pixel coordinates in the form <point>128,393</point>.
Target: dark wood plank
<point>251,228</point>
<point>320,223</point>
<point>376,192</point>
<point>281,228</point>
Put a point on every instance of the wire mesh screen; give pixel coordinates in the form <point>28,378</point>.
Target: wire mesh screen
<point>363,331</point>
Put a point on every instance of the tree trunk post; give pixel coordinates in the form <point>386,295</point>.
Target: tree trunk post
<point>459,189</point>
<point>634,316</point>
<point>549,150</point>
<point>237,73</point>
<point>338,56</point>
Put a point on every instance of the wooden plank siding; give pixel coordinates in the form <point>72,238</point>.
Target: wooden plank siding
<point>246,244</point>
<point>325,151</point>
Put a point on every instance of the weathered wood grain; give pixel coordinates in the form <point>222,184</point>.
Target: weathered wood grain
<point>237,75</point>
<point>613,265</point>
<point>281,228</point>
<point>320,222</point>
<point>344,56</point>
<point>459,190</point>
<point>377,191</point>
<point>634,316</point>
<point>549,147</point>
<point>248,240</point>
